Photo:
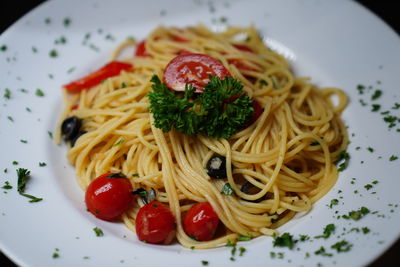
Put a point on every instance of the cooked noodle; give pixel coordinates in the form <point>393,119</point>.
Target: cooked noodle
<point>288,155</point>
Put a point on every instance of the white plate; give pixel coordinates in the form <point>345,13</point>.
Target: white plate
<point>337,43</point>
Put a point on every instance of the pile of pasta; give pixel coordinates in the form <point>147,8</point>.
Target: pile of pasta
<point>288,154</point>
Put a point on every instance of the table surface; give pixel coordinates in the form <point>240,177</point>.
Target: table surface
<point>387,10</point>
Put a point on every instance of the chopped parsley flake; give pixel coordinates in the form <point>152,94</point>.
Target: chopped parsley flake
<point>328,230</point>
<point>357,214</point>
<point>7,94</point>
<point>365,230</point>
<point>39,92</point>
<point>343,160</point>
<point>321,251</point>
<point>342,246</point>
<point>393,158</point>
<point>204,263</point>
<point>34,50</point>
<point>242,250</point>
<point>7,185</point>
<point>370,149</point>
<point>119,142</point>
<point>304,238</point>
<point>334,202</point>
<point>227,189</point>
<point>67,22</point>
<point>368,186</point>
<point>375,107</point>
<point>42,164</point>
<point>376,94</point>
<point>53,53</point>
<point>10,118</point>
<point>396,106</point>
<point>23,141</point>
<point>284,240</point>
<point>360,89</point>
<point>244,238</point>
<point>98,231</point>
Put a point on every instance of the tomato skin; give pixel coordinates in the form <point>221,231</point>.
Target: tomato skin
<point>201,221</point>
<point>194,69</point>
<point>258,110</point>
<point>155,223</point>
<point>243,47</point>
<point>109,70</point>
<point>107,198</point>
<point>141,49</point>
<point>241,65</point>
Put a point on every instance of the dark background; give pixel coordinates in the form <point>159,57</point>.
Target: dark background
<point>387,10</point>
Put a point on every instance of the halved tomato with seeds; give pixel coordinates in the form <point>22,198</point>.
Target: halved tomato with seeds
<point>194,69</point>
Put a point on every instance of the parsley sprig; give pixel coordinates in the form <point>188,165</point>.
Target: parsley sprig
<point>220,111</point>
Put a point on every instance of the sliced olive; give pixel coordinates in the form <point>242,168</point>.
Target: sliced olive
<point>80,133</point>
<point>70,127</point>
<point>249,188</point>
<point>216,167</point>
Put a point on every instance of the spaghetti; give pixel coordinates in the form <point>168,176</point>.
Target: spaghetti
<point>287,156</point>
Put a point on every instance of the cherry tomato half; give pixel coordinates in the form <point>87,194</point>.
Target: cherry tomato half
<point>201,221</point>
<point>155,223</point>
<point>258,110</point>
<point>192,69</point>
<point>108,196</point>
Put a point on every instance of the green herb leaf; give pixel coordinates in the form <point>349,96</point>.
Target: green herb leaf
<point>376,94</point>
<point>227,189</point>
<point>243,238</point>
<point>39,92</point>
<point>7,185</point>
<point>322,252</point>
<point>23,178</point>
<point>357,214</point>
<point>342,246</point>
<point>98,231</point>
<point>284,240</point>
<point>343,160</point>
<point>7,94</point>
<point>328,230</point>
<point>334,202</point>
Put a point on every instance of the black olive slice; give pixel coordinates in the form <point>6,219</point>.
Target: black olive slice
<point>246,188</point>
<point>216,167</point>
<point>70,127</point>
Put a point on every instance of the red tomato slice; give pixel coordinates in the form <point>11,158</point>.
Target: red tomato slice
<point>155,223</point>
<point>192,69</point>
<point>141,49</point>
<point>108,197</point>
<point>201,221</point>
<point>243,47</point>
<point>109,70</point>
<point>179,39</point>
<point>239,63</point>
<point>258,110</point>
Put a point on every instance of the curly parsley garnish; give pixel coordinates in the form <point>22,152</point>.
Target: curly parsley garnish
<point>220,111</point>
